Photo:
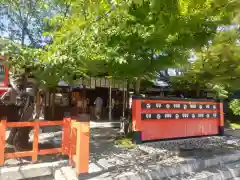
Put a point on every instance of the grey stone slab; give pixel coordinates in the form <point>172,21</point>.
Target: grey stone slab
<point>233,132</point>
<point>227,171</point>
<point>162,171</point>
<point>30,171</point>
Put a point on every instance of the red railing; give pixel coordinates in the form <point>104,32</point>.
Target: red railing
<point>75,135</point>
<point>79,151</point>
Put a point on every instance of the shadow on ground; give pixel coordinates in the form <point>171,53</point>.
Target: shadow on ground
<point>165,153</point>
<point>45,142</point>
<point>106,157</point>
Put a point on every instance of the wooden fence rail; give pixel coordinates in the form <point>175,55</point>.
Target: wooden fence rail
<point>74,135</point>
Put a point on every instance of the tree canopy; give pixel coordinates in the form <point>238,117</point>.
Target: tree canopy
<point>128,39</point>
<point>217,66</point>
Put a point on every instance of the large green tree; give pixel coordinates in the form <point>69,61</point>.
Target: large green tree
<point>134,39</point>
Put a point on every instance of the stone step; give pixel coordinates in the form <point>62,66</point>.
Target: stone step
<point>221,172</point>
<point>155,170</point>
<point>65,173</point>
<point>232,132</point>
<point>160,171</point>
<point>34,171</point>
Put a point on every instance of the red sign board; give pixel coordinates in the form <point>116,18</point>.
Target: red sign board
<point>161,118</point>
<point>3,75</point>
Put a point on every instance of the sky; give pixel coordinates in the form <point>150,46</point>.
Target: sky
<point>4,21</point>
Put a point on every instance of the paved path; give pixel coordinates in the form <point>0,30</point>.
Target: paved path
<point>231,132</point>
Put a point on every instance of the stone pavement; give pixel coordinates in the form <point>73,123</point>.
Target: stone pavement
<point>232,132</point>
<point>111,162</point>
<point>107,161</point>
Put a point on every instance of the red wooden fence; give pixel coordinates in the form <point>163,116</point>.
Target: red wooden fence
<point>75,142</point>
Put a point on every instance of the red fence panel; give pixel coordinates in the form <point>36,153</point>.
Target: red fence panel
<point>162,118</point>
<point>75,142</point>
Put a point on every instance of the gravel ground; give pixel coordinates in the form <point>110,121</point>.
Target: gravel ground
<point>162,152</point>
<point>46,141</point>
<point>106,156</point>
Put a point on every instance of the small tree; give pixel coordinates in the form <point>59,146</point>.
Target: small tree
<point>217,66</point>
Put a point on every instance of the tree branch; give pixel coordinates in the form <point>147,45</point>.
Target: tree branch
<point>67,5</point>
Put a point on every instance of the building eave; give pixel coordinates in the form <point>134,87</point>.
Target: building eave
<point>3,57</point>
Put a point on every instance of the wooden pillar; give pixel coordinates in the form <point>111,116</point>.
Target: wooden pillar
<point>110,101</point>
<point>80,143</point>
<point>66,135</point>
<point>35,141</point>
<point>124,99</point>
<point>3,125</point>
<point>221,123</point>
<point>82,148</point>
<point>73,141</point>
<point>136,120</point>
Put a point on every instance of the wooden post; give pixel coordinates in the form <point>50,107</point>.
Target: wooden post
<point>66,136</point>
<point>3,125</point>
<point>124,100</point>
<point>110,100</point>
<point>82,147</point>
<point>35,142</point>
<point>221,123</point>
<point>72,144</point>
<point>136,120</point>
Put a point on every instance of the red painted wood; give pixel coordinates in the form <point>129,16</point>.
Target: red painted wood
<point>75,142</point>
<point>169,111</point>
<point>178,102</point>
<point>171,128</point>
<point>2,140</point>
<point>136,115</point>
<point>157,129</point>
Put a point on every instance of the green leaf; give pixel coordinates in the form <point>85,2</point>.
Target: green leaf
<point>46,6</point>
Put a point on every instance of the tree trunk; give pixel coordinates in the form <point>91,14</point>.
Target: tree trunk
<point>137,87</point>
<point>123,118</point>
<point>198,89</point>
<point>127,122</point>
<point>53,104</point>
<point>11,136</point>
<point>19,136</point>
<point>23,32</point>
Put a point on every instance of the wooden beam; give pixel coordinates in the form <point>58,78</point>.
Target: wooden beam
<point>3,57</point>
